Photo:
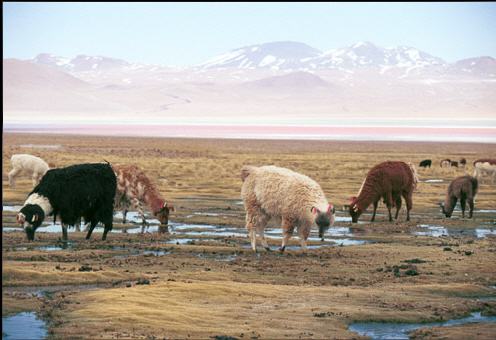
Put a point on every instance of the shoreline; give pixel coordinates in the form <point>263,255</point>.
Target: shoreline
<point>283,132</point>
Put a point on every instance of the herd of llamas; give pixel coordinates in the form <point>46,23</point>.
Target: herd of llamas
<point>292,200</point>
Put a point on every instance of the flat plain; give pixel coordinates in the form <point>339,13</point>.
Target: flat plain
<point>190,284</point>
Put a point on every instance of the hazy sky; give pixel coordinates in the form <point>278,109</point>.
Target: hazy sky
<point>186,33</point>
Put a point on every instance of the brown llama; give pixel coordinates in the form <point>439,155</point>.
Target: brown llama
<point>389,180</point>
<point>463,188</point>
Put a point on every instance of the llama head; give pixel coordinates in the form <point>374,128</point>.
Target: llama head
<point>30,218</point>
<point>324,219</point>
<point>354,210</point>
<point>447,213</point>
<point>163,213</point>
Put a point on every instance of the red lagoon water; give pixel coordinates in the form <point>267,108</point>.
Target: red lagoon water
<point>478,134</point>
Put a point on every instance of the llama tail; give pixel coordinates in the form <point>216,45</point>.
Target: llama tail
<point>415,175</point>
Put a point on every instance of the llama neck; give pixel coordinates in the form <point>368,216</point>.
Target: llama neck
<point>366,197</point>
<point>42,201</point>
<point>154,199</point>
<point>449,204</point>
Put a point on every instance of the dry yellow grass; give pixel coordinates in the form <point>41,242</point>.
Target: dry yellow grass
<point>268,296</point>
<point>198,168</point>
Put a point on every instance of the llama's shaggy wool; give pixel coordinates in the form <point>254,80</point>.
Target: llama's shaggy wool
<point>291,199</point>
<point>32,165</point>
<point>82,190</point>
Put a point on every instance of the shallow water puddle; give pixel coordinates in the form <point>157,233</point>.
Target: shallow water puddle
<point>26,325</point>
<point>334,243</point>
<point>13,208</point>
<point>440,231</point>
<point>191,233</point>
<point>23,326</point>
<point>200,231</point>
<point>378,330</point>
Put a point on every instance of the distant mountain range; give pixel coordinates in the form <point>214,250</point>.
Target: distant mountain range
<point>285,83</point>
<point>295,56</point>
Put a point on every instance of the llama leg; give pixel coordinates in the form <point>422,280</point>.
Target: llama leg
<point>303,232</point>
<point>398,207</point>
<point>462,205</point>
<point>287,232</point>
<point>389,201</point>
<point>375,210</point>
<point>124,213</point>
<point>251,228</point>
<point>12,175</point>
<point>261,234</point>
<point>471,206</point>
<point>409,204</point>
<point>141,212</point>
<point>452,205</point>
<point>90,230</point>
<point>388,205</point>
<point>263,219</point>
<point>255,222</point>
<point>135,203</point>
<point>64,231</point>
<point>253,239</point>
<point>35,178</point>
<point>108,227</point>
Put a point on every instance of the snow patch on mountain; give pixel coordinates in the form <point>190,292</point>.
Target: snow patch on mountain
<point>298,56</point>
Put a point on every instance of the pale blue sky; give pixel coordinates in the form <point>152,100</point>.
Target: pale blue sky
<point>185,33</point>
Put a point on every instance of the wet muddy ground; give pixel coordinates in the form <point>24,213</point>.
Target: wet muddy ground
<point>199,278</point>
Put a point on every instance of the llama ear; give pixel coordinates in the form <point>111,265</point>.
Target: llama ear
<point>313,210</point>
<point>35,218</point>
<point>355,208</point>
<point>166,206</point>
<point>331,210</point>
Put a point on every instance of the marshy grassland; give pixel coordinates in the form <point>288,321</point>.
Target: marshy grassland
<point>151,285</point>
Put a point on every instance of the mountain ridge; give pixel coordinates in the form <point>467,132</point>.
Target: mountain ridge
<point>294,56</point>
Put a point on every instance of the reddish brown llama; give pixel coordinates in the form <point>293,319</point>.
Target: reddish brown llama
<point>389,180</point>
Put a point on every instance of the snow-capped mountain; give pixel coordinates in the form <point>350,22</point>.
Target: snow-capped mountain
<point>277,55</point>
<point>366,54</point>
<point>298,56</point>
<point>80,63</point>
